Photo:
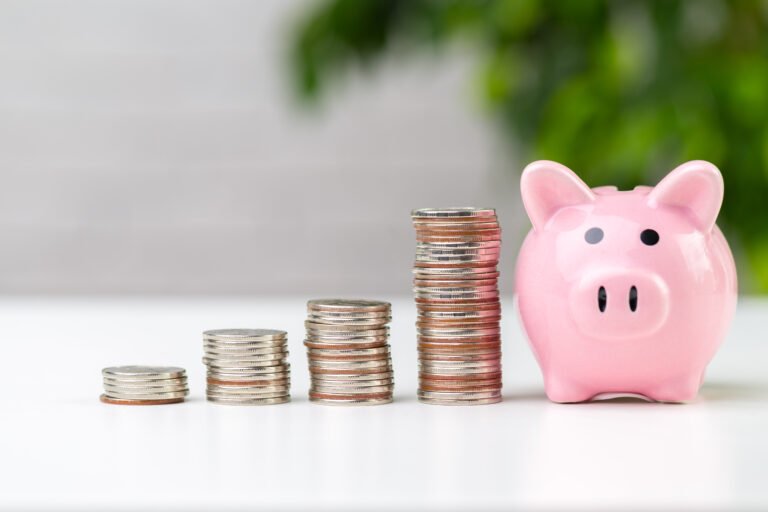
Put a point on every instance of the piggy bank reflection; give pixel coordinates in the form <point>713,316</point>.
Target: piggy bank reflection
<point>624,292</point>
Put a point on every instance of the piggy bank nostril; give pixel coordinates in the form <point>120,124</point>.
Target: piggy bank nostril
<point>633,298</point>
<point>602,299</point>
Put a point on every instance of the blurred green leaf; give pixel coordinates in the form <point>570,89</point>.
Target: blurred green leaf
<point>620,91</point>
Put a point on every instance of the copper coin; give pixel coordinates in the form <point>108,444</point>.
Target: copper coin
<point>453,349</point>
<point>459,378</point>
<point>490,265</point>
<point>470,324</point>
<point>454,283</point>
<point>465,227</point>
<point>459,340</point>
<point>442,229</point>
<point>455,312</point>
<point>345,346</point>
<point>118,401</point>
<point>472,238</point>
<point>333,396</point>
<point>428,307</point>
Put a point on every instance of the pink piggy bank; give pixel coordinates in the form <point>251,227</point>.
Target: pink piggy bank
<point>624,292</point>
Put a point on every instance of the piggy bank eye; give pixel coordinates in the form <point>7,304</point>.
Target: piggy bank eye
<point>649,237</point>
<point>593,235</point>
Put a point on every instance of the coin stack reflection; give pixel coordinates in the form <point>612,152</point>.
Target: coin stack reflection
<point>144,385</point>
<point>457,298</point>
<point>247,366</point>
<point>348,349</point>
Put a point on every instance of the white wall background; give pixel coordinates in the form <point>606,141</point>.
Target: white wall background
<point>153,146</point>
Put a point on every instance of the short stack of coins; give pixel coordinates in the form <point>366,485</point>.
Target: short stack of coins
<point>144,385</point>
<point>457,298</point>
<point>348,349</point>
<point>247,366</point>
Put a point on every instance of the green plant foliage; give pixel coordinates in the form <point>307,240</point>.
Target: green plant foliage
<point>620,91</point>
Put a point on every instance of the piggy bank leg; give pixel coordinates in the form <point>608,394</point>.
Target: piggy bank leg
<point>565,391</point>
<point>683,389</point>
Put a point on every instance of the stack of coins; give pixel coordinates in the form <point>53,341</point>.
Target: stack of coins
<point>247,366</point>
<point>457,297</point>
<point>144,385</point>
<point>348,350</point>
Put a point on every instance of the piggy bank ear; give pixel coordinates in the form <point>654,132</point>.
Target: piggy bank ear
<point>547,187</point>
<point>696,186</point>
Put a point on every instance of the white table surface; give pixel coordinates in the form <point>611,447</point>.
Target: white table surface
<point>60,448</point>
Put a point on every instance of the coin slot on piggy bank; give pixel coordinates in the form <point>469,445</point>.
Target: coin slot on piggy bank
<point>624,292</point>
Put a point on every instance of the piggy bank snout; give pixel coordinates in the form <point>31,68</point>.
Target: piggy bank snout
<point>619,304</point>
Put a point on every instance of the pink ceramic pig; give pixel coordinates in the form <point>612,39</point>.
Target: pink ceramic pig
<point>624,292</point>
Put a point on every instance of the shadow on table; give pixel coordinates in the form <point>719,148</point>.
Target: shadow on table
<point>717,391</point>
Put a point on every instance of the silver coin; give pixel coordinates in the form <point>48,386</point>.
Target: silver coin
<point>339,383</point>
<point>146,396</point>
<point>459,253</point>
<point>276,354</point>
<point>355,322</point>
<point>144,389</point>
<point>349,315</point>
<point>458,271</point>
<point>273,392</point>
<point>261,360</point>
<point>255,379</point>
<point>491,356</point>
<point>243,344</point>
<point>458,333</point>
<point>482,401</point>
<point>434,365</point>
<point>458,245</point>
<point>353,377</point>
<point>346,340</point>
<point>246,351</point>
<point>316,352</point>
<point>241,391</point>
<point>254,370</point>
<point>347,305</point>
<point>247,346</point>
<point>457,260</point>
<point>249,401</point>
<point>426,231</point>
<point>349,365</point>
<point>459,395</point>
<point>244,362</point>
<point>144,382</point>
<point>349,390</point>
<point>343,328</point>
<point>460,314</point>
<point>144,372</point>
<point>455,290</point>
<point>360,401</point>
<point>489,295</point>
<point>458,211</point>
<point>435,373</point>
<point>256,334</point>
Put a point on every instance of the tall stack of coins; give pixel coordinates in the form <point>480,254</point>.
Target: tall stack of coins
<point>144,385</point>
<point>348,350</point>
<point>457,297</point>
<point>247,366</point>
